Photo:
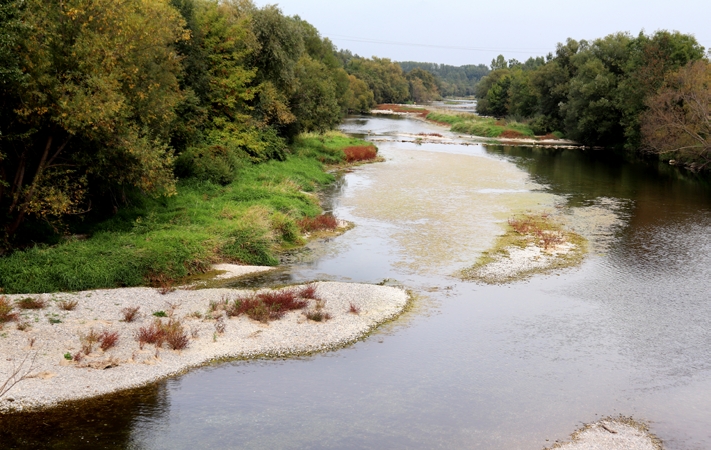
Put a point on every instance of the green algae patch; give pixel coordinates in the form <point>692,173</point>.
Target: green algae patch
<point>531,244</point>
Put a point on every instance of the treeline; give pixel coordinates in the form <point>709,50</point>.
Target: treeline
<point>595,92</point>
<point>101,100</point>
<point>452,81</point>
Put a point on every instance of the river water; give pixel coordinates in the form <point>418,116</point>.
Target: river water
<point>514,366</point>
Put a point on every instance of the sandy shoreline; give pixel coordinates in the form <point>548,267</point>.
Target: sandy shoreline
<point>618,433</point>
<point>54,379</point>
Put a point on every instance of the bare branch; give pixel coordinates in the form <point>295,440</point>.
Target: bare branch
<point>19,373</point>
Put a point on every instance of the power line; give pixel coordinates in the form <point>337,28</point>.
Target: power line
<point>338,37</point>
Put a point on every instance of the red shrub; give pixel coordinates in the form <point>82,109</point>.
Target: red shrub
<point>360,153</point>
<point>308,291</point>
<point>512,134</point>
<point>322,222</point>
<point>108,339</point>
<point>152,334</point>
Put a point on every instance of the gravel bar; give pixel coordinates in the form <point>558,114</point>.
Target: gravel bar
<point>51,333</point>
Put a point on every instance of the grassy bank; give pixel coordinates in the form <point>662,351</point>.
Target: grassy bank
<point>160,241</point>
<point>482,126</point>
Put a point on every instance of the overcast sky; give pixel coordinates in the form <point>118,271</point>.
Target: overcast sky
<point>461,32</point>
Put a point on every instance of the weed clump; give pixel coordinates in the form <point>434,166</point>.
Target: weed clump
<point>68,305</point>
<point>308,291</point>
<point>266,306</point>
<point>537,227</point>
<point>31,303</point>
<point>157,333</point>
<point>353,309</point>
<point>130,313</point>
<point>6,311</point>
<point>108,339</point>
<point>318,314</point>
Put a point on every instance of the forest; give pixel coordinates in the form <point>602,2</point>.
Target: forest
<point>648,93</point>
<point>104,102</point>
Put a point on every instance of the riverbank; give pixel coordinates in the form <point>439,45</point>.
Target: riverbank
<point>268,208</point>
<point>477,128</point>
<point>57,353</point>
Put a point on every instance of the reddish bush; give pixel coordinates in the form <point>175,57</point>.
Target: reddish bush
<point>360,153</point>
<point>175,335</point>
<point>152,334</point>
<point>318,223</point>
<point>512,134</point>
<point>108,339</point>
<point>308,291</point>
<point>353,309</point>
<point>266,306</point>
<point>130,314</point>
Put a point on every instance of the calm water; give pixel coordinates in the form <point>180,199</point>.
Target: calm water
<point>473,366</point>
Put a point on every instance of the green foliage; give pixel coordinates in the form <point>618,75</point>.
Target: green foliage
<point>482,126</point>
<point>595,91</point>
<point>384,77</point>
<point>452,81</point>
<point>423,86</point>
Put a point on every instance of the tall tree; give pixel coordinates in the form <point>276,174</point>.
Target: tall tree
<point>678,120</point>
<point>94,105</point>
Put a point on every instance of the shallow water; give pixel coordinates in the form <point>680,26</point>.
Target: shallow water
<point>472,366</point>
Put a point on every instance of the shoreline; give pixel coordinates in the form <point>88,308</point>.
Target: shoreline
<point>523,142</point>
<point>611,433</point>
<point>54,379</point>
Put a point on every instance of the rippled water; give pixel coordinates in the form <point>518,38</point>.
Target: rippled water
<point>473,366</point>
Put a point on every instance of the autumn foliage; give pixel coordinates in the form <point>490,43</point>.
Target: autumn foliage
<point>360,153</point>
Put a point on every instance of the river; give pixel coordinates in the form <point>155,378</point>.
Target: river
<point>475,366</point>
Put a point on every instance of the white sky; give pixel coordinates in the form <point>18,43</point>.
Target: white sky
<point>484,28</point>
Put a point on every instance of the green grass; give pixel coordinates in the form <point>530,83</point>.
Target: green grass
<point>248,221</point>
<point>481,126</point>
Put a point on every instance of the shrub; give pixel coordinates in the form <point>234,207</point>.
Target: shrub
<point>308,291</point>
<point>152,334</point>
<point>108,339</point>
<point>172,332</point>
<point>175,335</point>
<point>353,309</point>
<point>360,153</point>
<point>266,306</point>
<point>319,223</point>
